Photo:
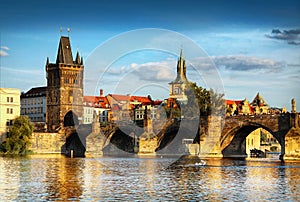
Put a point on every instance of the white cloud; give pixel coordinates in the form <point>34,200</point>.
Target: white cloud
<point>4,48</point>
<point>247,63</point>
<point>3,51</point>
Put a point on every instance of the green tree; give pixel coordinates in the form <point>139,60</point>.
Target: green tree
<point>18,140</point>
<point>208,101</point>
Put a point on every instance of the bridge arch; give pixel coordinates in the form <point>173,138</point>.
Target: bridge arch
<point>171,141</point>
<point>233,144</point>
<point>70,119</point>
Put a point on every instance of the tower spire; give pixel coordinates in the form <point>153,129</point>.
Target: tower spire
<point>77,60</point>
<point>181,68</point>
<point>181,54</point>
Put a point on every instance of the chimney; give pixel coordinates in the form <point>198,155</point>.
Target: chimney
<point>101,92</point>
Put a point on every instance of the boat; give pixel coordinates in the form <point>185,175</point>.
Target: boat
<point>201,163</point>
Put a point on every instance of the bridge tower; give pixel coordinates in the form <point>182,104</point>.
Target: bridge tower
<point>178,86</point>
<point>64,88</point>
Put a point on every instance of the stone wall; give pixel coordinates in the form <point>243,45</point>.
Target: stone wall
<point>292,144</point>
<point>42,143</point>
<point>147,146</point>
<point>210,136</point>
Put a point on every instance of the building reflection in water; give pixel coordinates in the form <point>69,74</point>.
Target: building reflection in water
<point>55,177</point>
<point>64,178</point>
<point>9,178</point>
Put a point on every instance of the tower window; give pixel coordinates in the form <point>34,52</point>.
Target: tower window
<point>176,90</point>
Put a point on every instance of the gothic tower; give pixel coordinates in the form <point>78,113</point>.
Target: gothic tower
<point>178,86</point>
<point>64,88</point>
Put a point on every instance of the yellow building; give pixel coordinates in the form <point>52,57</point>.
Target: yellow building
<point>253,141</point>
<point>9,109</point>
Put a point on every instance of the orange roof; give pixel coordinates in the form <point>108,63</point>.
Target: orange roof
<point>143,100</point>
<point>229,102</point>
<point>96,101</point>
<point>157,102</point>
<point>120,97</point>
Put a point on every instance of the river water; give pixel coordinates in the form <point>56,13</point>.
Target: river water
<point>57,178</point>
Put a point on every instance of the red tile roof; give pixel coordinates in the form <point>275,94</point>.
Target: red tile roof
<point>120,97</point>
<point>143,100</point>
<point>96,101</point>
<point>231,102</point>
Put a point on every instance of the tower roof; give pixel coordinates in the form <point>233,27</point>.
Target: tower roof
<point>259,101</point>
<point>181,70</point>
<point>64,54</point>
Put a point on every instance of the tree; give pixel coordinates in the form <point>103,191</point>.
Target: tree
<point>18,140</point>
<point>208,101</point>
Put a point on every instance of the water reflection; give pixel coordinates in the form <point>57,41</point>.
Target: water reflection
<point>57,178</point>
<point>64,178</point>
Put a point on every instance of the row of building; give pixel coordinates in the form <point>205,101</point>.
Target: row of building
<point>33,104</point>
<point>61,103</point>
<point>257,106</point>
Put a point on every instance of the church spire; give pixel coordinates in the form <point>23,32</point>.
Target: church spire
<point>181,68</point>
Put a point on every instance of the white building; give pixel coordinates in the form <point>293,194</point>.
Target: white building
<point>33,104</point>
<point>95,105</point>
<point>9,109</point>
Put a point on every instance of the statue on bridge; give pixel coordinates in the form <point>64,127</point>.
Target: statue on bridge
<point>294,110</point>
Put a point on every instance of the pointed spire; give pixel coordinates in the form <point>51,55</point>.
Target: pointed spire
<point>81,61</point>
<point>181,68</point>
<point>47,61</point>
<point>77,60</point>
<point>181,54</point>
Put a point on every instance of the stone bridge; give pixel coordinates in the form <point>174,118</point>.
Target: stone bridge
<point>229,134</point>
<point>215,136</point>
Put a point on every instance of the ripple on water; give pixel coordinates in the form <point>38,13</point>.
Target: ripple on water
<point>136,179</point>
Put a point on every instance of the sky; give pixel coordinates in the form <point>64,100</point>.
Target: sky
<point>131,47</point>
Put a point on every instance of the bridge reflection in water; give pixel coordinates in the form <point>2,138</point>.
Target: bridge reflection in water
<point>54,177</point>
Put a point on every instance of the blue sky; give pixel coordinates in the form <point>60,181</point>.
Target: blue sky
<point>254,45</point>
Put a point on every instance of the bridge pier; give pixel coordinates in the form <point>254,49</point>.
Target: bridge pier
<point>147,146</point>
<point>210,139</point>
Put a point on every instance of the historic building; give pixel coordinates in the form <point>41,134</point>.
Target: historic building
<point>9,109</point>
<point>132,108</point>
<point>235,107</point>
<point>259,105</point>
<point>33,104</point>
<point>64,88</point>
<point>96,106</point>
<point>179,85</point>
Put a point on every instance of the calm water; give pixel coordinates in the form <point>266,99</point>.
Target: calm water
<point>56,178</point>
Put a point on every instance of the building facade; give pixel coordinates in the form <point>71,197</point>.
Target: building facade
<point>243,107</point>
<point>64,88</point>
<point>259,105</point>
<point>9,109</point>
<point>96,106</point>
<point>132,108</point>
<point>33,104</point>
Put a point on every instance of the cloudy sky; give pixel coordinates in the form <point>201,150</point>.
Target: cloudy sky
<point>239,47</point>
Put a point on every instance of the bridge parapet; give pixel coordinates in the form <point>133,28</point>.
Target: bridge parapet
<point>271,122</point>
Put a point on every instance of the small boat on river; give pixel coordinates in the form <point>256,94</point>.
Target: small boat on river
<point>201,163</point>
